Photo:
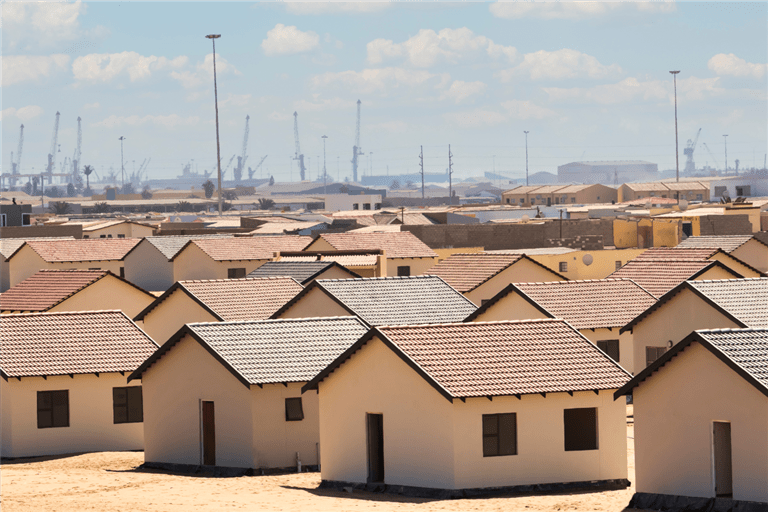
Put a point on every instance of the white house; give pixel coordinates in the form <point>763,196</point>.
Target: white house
<point>63,386</point>
<point>459,408</point>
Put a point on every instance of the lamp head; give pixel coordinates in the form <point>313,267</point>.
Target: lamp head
<point>213,36</point>
<point>674,72</point>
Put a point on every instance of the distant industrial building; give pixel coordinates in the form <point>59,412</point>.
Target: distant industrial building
<point>608,172</point>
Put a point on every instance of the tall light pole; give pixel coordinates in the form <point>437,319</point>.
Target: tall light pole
<point>526,157</point>
<point>213,38</point>
<point>677,158</point>
<point>325,174</point>
<point>725,139</point>
<point>122,166</point>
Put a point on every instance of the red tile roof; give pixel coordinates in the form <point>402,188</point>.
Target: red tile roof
<point>92,249</point>
<point>466,272</point>
<point>498,358</point>
<point>677,254</point>
<point>47,288</point>
<point>660,276</point>
<point>397,245</point>
<point>249,248</point>
<point>38,344</point>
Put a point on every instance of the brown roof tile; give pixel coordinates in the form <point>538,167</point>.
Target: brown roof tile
<point>37,344</point>
<point>45,289</point>
<point>677,254</point>
<point>250,248</point>
<point>397,245</point>
<point>94,249</point>
<point>660,276</point>
<point>728,243</point>
<point>466,272</point>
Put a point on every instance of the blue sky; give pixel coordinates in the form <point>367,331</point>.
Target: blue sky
<point>589,81</point>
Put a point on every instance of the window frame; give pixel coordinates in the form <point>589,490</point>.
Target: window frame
<point>498,434</point>
<point>403,268</point>
<point>289,411</point>
<point>607,348</point>
<point>659,351</point>
<point>232,273</point>
<point>26,219</point>
<point>562,266</point>
<point>127,405</point>
<point>3,220</point>
<point>579,443</point>
<point>51,409</point>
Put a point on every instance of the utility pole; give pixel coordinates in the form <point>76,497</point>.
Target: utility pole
<point>725,139</point>
<point>677,159</point>
<point>325,174</point>
<point>122,165</point>
<point>213,38</point>
<point>526,157</point>
<point>450,173</point>
<point>421,164</point>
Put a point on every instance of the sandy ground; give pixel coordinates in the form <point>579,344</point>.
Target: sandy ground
<point>110,482</point>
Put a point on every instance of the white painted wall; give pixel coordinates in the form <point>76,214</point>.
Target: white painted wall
<point>172,314</point>
<point>91,420</point>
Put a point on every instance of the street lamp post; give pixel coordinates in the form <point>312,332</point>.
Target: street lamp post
<point>725,139</point>
<point>122,165</point>
<point>325,174</point>
<point>677,158</point>
<point>213,38</point>
<point>526,157</point>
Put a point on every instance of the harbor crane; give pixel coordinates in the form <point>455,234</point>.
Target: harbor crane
<point>298,155</point>
<point>710,153</point>
<point>76,156</point>
<point>242,158</point>
<point>52,153</point>
<point>251,172</point>
<point>16,166</point>
<point>227,167</point>
<point>690,147</point>
<point>356,149</point>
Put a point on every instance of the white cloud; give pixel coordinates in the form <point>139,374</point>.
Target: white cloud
<point>202,74</point>
<point>559,65</point>
<point>369,81</point>
<point>318,7</point>
<point>279,116</point>
<point>23,68</point>
<point>92,105</point>
<point>475,118</point>
<point>169,121</point>
<point>105,67</point>
<point>286,40</point>
<point>41,24</point>
<point>523,110</point>
<point>235,100</point>
<point>317,104</point>
<point>731,65</point>
<point>461,91</point>
<point>428,48</point>
<point>572,10</point>
<point>24,114</point>
<point>632,89</point>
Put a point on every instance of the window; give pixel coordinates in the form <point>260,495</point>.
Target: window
<point>378,206</point>
<point>127,405</point>
<point>366,206</point>
<point>533,201</point>
<point>3,220</point>
<point>522,200</point>
<point>743,191</point>
<point>573,199</point>
<point>293,410</point>
<point>563,266</point>
<point>721,191</point>
<point>26,219</point>
<point>102,236</point>
<point>235,273</point>
<point>618,264</point>
<point>122,271</point>
<point>499,434</point>
<point>52,409</point>
<point>610,347</point>
<point>120,236</point>
<point>699,197</point>
<point>653,353</point>
<point>580,429</point>
<point>86,236</point>
<point>355,206</point>
<point>404,271</point>
<point>507,200</point>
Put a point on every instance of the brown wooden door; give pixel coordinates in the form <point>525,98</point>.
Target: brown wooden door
<point>721,437</point>
<point>209,435</point>
<point>375,427</point>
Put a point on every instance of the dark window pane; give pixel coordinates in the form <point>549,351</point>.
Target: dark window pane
<point>490,424</point>
<point>610,347</point>
<point>293,409</point>
<point>404,271</point>
<point>120,396</point>
<point>507,434</point>
<point>127,405</point>
<point>490,446</point>
<point>580,427</point>
<point>135,406</point>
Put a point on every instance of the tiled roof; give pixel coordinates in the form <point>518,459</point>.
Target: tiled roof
<point>397,245</point>
<point>466,272</point>
<point>46,288</point>
<point>345,260</point>
<point>301,271</point>
<point>38,344</point>
<point>727,243</point>
<point>659,187</point>
<point>171,245</point>
<point>271,351</point>
<point>590,304</point>
<point>745,299</point>
<point>91,249</point>
<point>677,253</point>
<point>660,276</point>
<point>251,248</point>
<point>236,299</point>
<point>396,300</point>
<point>8,246</point>
<point>501,358</point>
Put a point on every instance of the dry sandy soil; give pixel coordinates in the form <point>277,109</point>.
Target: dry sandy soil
<point>110,482</point>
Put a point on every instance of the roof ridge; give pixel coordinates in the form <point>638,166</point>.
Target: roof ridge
<point>278,320</point>
<point>235,280</point>
<point>487,322</point>
<point>731,329</point>
<point>69,313</point>
<point>382,278</point>
<point>765,278</point>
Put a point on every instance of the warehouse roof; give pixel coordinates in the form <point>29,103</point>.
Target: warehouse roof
<point>487,359</point>
<point>269,351</point>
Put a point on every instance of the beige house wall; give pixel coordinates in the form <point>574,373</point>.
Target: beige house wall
<point>315,304</point>
<point>173,389</point>
<point>91,417</point>
<point>417,421</point>
<point>26,262</point>
<point>753,253</point>
<point>523,271</point>
<point>603,262</point>
<point>626,344</point>
<point>510,307</point>
<point>126,229</point>
<point>541,451</point>
<point>714,273</point>
<point>418,266</point>
<point>148,268</point>
<point>674,411</point>
<point>320,244</point>
<point>192,263</point>
<point>171,315</point>
<point>333,273</point>
<point>735,265</point>
<point>673,321</point>
<point>277,441</point>
<point>108,293</point>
